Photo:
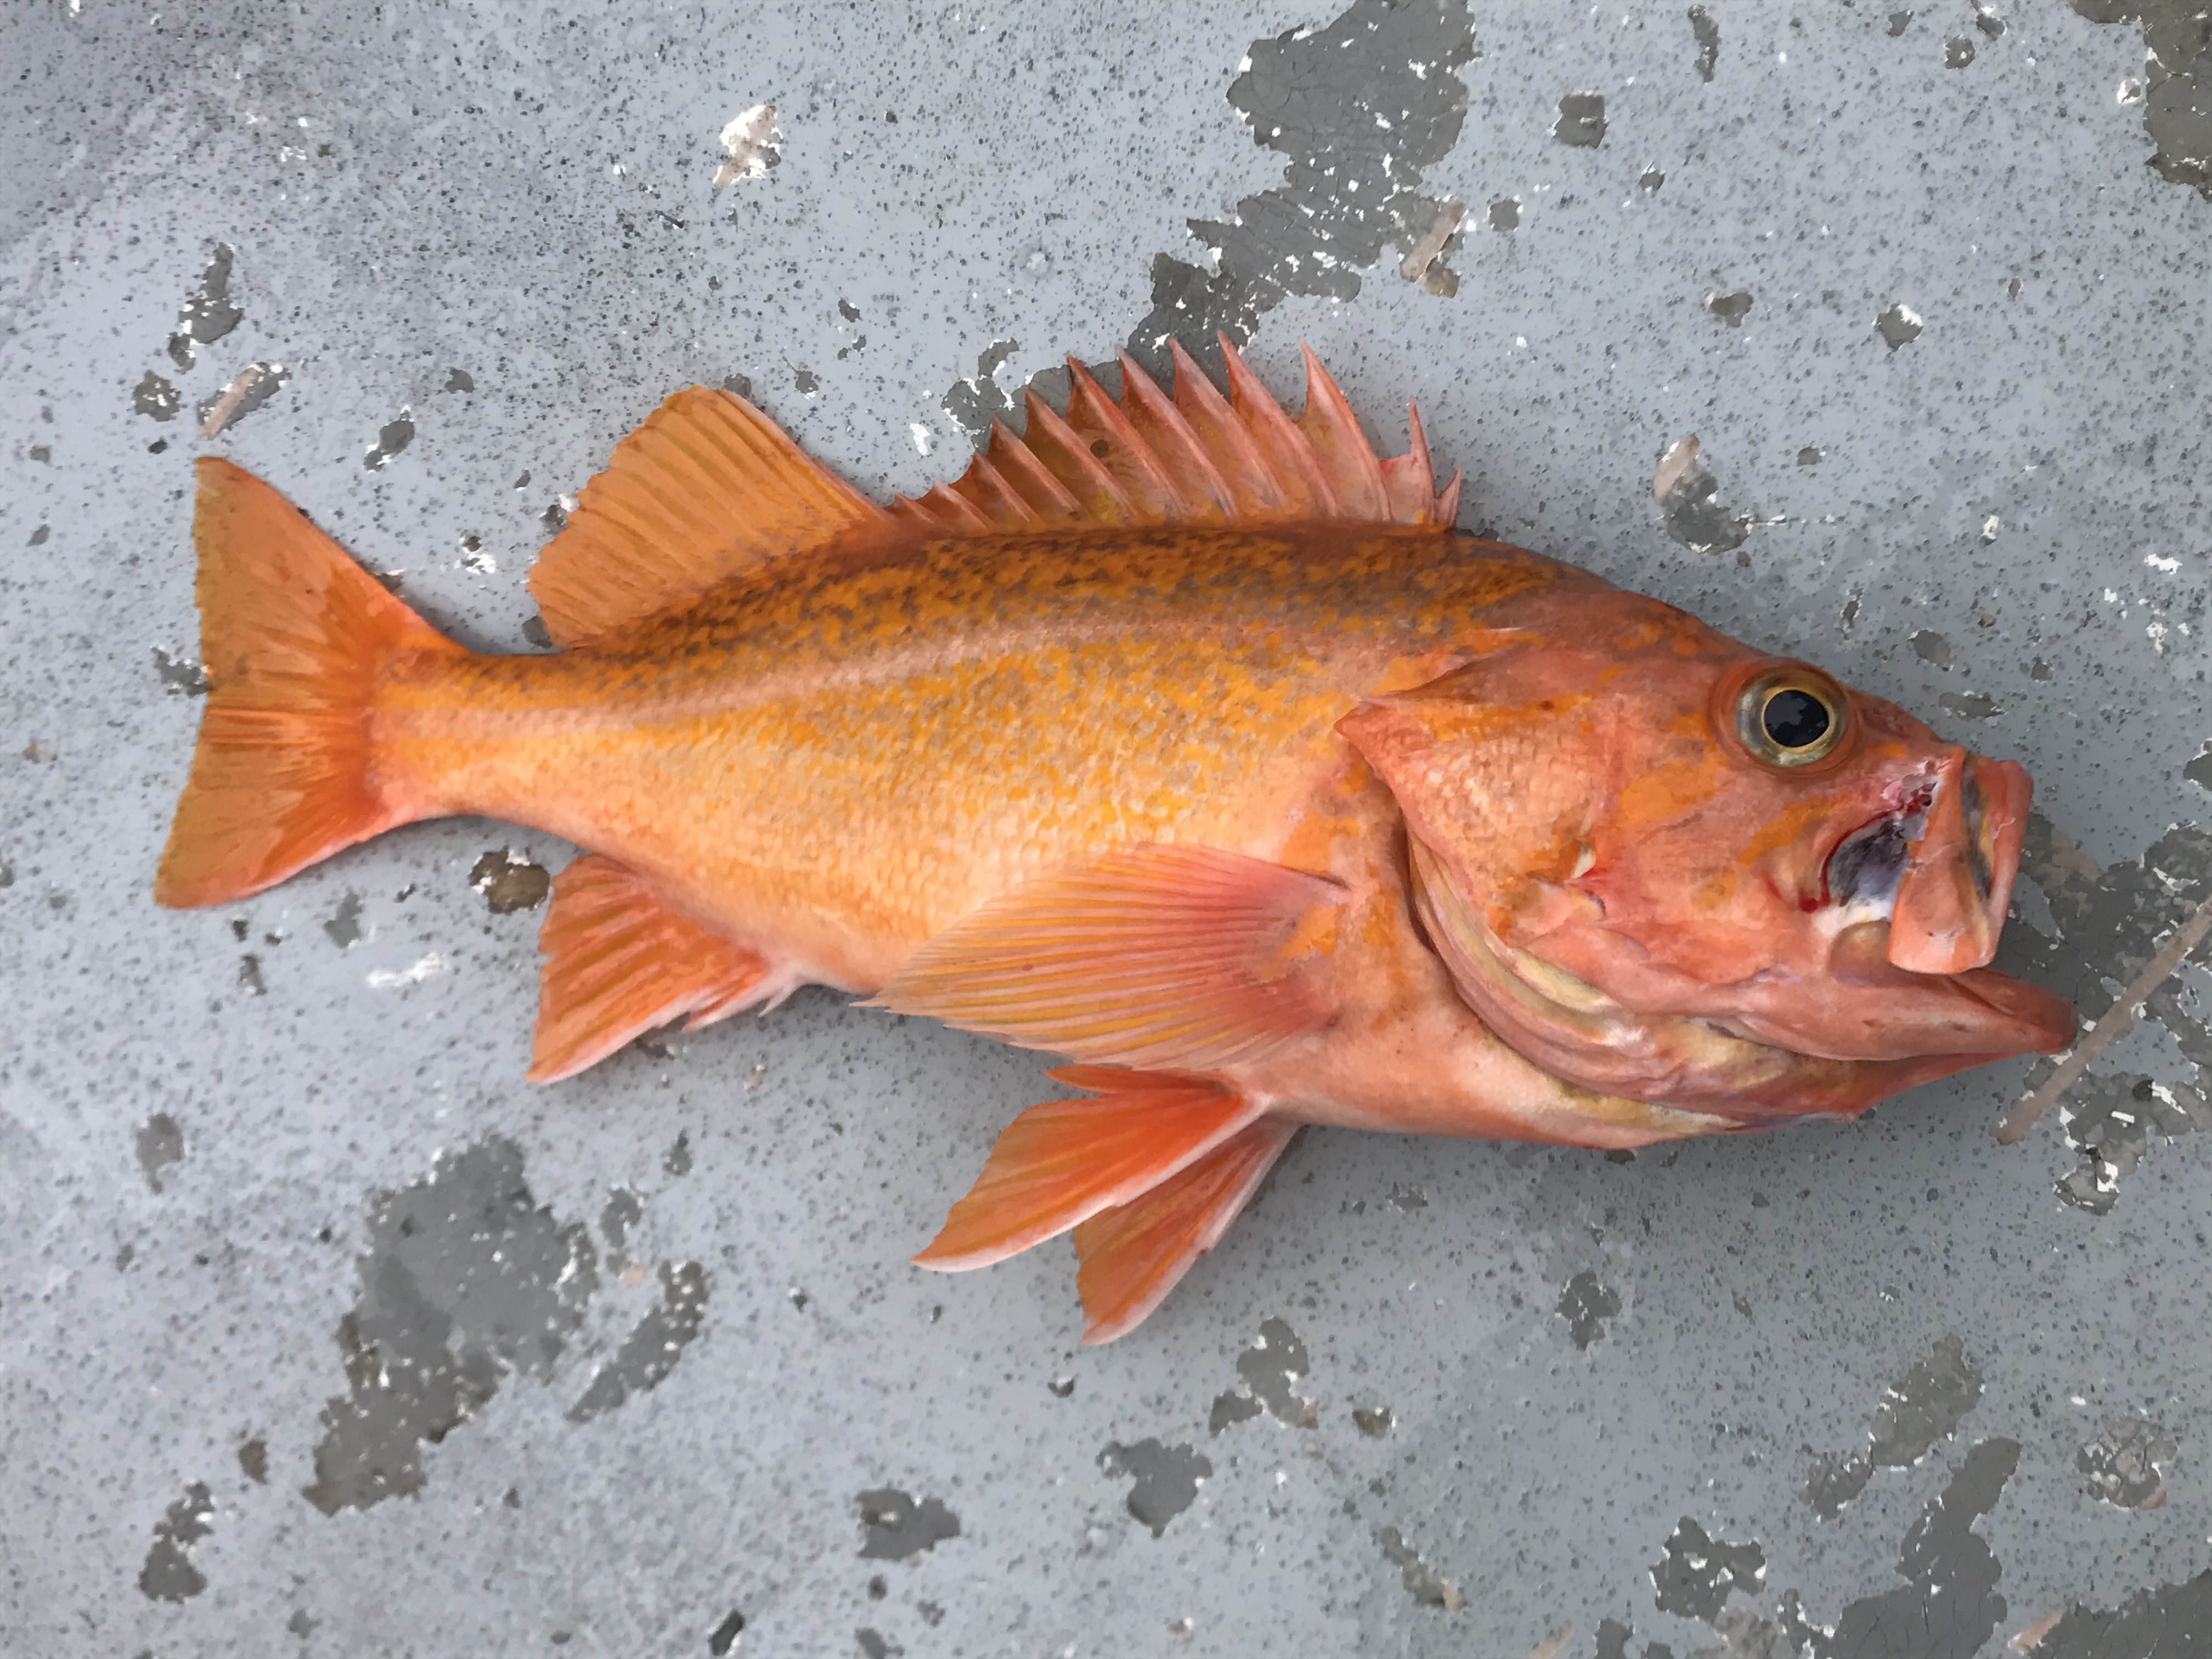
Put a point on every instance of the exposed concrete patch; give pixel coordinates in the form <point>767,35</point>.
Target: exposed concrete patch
<point>1748,1635</point>
<point>1357,107</point>
<point>2121,1463</point>
<point>1731,308</point>
<point>1689,502</point>
<point>1586,1305</point>
<point>725,1635</point>
<point>253,1459</point>
<point>2176,95</point>
<point>1373,1421</point>
<point>466,1280</point>
<point>1958,51</point>
<point>1900,326</point>
<point>1270,1366</point>
<point>169,1574</point>
<point>1920,1408</point>
<point>1931,648</point>
<point>1695,1573</point>
<point>180,676</point>
<point>208,313</point>
<point>1167,1477</point>
<point>2166,1622</point>
<point>342,926</point>
<point>751,144</point>
<point>160,1143</point>
<point>896,1528</point>
<point>1505,213</point>
<point>650,1351</point>
<point>1422,1581</point>
<point>510,882</point>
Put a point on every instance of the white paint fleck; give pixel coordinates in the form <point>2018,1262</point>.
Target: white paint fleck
<point>2169,566</point>
<point>751,144</point>
<point>429,966</point>
<point>2131,92</point>
<point>924,439</point>
<point>1990,525</point>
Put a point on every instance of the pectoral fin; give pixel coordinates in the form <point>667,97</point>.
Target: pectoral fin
<point>1133,1254</point>
<point>1058,1164</point>
<point>1156,956</point>
<point>619,962</point>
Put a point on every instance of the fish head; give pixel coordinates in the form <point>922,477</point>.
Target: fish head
<point>1661,864</point>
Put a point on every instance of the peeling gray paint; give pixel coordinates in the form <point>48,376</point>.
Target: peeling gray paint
<point>1932,647</point>
<point>1900,326</point>
<point>1927,1403</point>
<point>1422,1581</point>
<point>1731,308</point>
<point>1690,508</point>
<point>2177,82</point>
<point>1321,98</point>
<point>895,1528</point>
<point>1585,1304</point>
<point>208,312</point>
<point>1270,1366</point>
<point>1948,1605</point>
<point>510,882</point>
<point>2121,1463</point>
<point>342,926</point>
<point>466,1280</point>
<point>1167,1477</point>
<point>650,1351</point>
<point>977,401</point>
<point>2166,1622</point>
<point>1695,1573</point>
<point>169,1574</point>
<point>160,1143</point>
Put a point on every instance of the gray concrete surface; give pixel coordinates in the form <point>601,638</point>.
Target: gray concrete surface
<point>322,1334</point>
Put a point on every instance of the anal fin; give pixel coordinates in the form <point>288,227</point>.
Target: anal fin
<point>1156,956</point>
<point>1130,1255</point>
<point>1060,1163</point>
<point>618,962</point>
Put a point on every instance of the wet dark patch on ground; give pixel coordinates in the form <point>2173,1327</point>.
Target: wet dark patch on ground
<point>896,1528</point>
<point>1167,1479</point>
<point>169,1574</point>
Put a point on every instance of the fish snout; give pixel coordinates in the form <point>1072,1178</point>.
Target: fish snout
<point>1955,884</point>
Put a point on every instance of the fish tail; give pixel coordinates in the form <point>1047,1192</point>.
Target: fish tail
<point>294,635</point>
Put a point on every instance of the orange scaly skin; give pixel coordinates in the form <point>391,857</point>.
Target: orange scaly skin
<point>1177,737</point>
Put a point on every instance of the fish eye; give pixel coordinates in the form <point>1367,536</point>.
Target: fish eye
<point>1791,718</point>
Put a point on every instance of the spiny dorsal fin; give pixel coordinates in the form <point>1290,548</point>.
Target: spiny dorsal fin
<point>1196,459</point>
<point>707,487</point>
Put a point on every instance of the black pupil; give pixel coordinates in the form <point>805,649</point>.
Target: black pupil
<point>1795,720</point>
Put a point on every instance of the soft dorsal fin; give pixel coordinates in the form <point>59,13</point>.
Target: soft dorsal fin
<point>706,487</point>
<point>1194,458</point>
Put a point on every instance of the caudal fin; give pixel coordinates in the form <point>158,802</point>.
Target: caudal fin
<point>293,634</point>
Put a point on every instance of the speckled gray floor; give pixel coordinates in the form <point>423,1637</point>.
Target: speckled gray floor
<point>322,1334</point>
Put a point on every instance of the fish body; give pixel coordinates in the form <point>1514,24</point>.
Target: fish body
<point>1182,739</point>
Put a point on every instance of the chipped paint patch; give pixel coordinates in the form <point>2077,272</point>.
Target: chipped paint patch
<point>2176,90</point>
<point>2166,1622</point>
<point>1900,326</point>
<point>179,676</point>
<point>2121,1463</point>
<point>1270,1366</point>
<point>1586,1305</point>
<point>208,313</point>
<point>1356,108</point>
<point>155,397</point>
<point>466,1280</point>
<point>1731,309</point>
<point>160,1143</point>
<point>895,1528</point>
<point>510,882</point>
<point>169,1574</point>
<point>751,144</point>
<point>1167,1477</point>
<point>650,1351</point>
<point>1689,502</point>
<point>1707,34</point>
<point>1696,1573</point>
<point>1920,1408</point>
<point>343,927</point>
<point>1581,121</point>
<point>977,401</point>
<point>394,435</point>
<point>1422,1581</point>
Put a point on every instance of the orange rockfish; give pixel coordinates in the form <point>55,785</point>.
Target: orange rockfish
<point>1182,739</point>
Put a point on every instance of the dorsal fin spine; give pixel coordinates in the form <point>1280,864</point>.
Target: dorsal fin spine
<point>1096,420</point>
<point>1253,490</point>
<point>1287,451</point>
<point>1354,475</point>
<point>1205,493</point>
<point>1030,478</point>
<point>1054,442</point>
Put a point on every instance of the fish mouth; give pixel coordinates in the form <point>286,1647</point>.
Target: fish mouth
<point>1938,867</point>
<point>1774,1046</point>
